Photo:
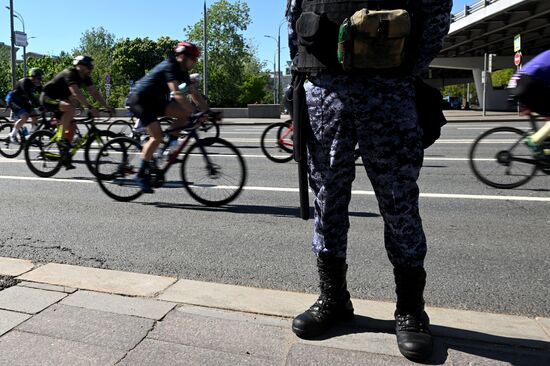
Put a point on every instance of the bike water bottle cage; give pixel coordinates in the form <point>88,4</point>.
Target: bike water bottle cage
<point>364,36</point>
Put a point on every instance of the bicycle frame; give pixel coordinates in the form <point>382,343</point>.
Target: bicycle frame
<point>83,139</point>
<point>283,140</point>
<point>173,157</point>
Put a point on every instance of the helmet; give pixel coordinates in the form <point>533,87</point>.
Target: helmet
<point>188,49</point>
<point>84,60</point>
<point>35,72</point>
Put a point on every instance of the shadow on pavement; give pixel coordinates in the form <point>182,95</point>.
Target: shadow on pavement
<point>463,344</point>
<point>248,209</point>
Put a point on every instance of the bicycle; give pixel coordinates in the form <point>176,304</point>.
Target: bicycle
<point>205,172</point>
<point>126,128</point>
<point>512,165</point>
<point>43,151</point>
<point>10,150</point>
<point>281,134</point>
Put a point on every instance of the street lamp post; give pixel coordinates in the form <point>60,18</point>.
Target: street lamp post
<point>276,79</point>
<point>278,71</point>
<point>13,77</point>
<point>205,61</point>
<point>279,84</point>
<point>274,67</point>
<point>18,15</point>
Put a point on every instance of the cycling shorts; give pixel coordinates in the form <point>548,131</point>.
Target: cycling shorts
<point>51,105</point>
<point>148,110</point>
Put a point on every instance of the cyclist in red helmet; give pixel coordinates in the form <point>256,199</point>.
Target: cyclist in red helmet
<point>161,93</point>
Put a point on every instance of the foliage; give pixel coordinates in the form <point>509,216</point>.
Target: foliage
<point>500,78</point>
<point>229,54</point>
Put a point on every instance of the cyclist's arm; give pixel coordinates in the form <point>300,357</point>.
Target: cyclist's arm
<point>77,93</point>
<point>97,96</point>
<point>180,97</point>
<point>198,98</point>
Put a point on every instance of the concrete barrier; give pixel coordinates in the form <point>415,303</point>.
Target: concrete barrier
<point>253,111</point>
<point>233,112</point>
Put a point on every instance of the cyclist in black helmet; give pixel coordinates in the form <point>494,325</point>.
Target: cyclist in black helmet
<point>62,95</point>
<point>162,93</point>
<point>24,101</point>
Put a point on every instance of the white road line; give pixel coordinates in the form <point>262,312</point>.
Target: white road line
<point>260,156</point>
<point>427,195</point>
<point>295,190</point>
<point>11,177</point>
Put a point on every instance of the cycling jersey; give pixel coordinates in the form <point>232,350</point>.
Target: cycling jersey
<point>24,94</point>
<point>154,85</point>
<point>58,87</point>
<point>539,67</point>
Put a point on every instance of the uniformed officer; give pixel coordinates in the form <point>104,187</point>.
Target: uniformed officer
<point>361,92</point>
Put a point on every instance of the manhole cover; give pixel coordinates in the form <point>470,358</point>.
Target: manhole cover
<point>7,281</point>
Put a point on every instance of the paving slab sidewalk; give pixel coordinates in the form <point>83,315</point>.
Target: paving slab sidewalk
<point>188,323</point>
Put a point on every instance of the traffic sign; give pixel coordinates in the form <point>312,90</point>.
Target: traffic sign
<point>517,43</point>
<point>517,59</point>
<point>20,39</point>
<point>107,79</point>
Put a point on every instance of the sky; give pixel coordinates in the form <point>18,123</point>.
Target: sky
<point>59,24</point>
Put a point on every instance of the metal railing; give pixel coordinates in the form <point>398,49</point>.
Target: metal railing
<point>469,9</point>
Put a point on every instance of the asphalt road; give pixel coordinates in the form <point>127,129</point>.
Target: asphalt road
<point>485,252</point>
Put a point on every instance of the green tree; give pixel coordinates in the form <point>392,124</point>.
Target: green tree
<point>500,78</point>
<point>228,52</point>
<point>253,88</point>
<point>99,44</point>
<point>5,72</point>
<point>133,58</point>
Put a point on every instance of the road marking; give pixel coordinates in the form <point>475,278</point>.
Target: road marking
<point>295,190</point>
<point>12,177</point>
<point>260,156</point>
<point>427,195</point>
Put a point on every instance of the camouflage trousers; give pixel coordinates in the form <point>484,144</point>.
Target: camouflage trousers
<point>380,115</point>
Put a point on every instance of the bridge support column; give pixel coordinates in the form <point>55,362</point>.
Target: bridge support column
<point>497,99</point>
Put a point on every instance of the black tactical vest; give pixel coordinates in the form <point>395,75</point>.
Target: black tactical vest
<point>317,30</point>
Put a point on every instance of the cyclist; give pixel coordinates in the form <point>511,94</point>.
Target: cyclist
<point>24,100</point>
<point>61,94</point>
<point>151,99</point>
<point>531,87</point>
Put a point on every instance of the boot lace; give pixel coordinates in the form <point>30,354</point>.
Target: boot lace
<point>411,323</point>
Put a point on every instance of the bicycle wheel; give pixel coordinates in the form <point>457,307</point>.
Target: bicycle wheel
<point>117,165</point>
<point>121,127</point>
<point>209,129</point>
<point>500,158</point>
<point>42,154</point>
<point>276,142</point>
<point>7,148</point>
<point>93,145</point>
<point>218,181</point>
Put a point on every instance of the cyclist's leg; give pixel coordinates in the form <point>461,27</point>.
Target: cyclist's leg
<point>23,116</point>
<point>175,110</point>
<point>69,111</point>
<point>542,134</point>
<point>147,112</point>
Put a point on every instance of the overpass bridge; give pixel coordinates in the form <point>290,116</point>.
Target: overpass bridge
<point>489,27</point>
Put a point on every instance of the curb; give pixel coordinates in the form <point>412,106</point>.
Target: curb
<point>451,323</point>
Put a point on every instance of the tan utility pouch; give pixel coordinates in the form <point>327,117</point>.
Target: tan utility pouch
<point>374,39</point>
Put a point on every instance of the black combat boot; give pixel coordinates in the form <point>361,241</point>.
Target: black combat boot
<point>414,338</point>
<point>334,303</point>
